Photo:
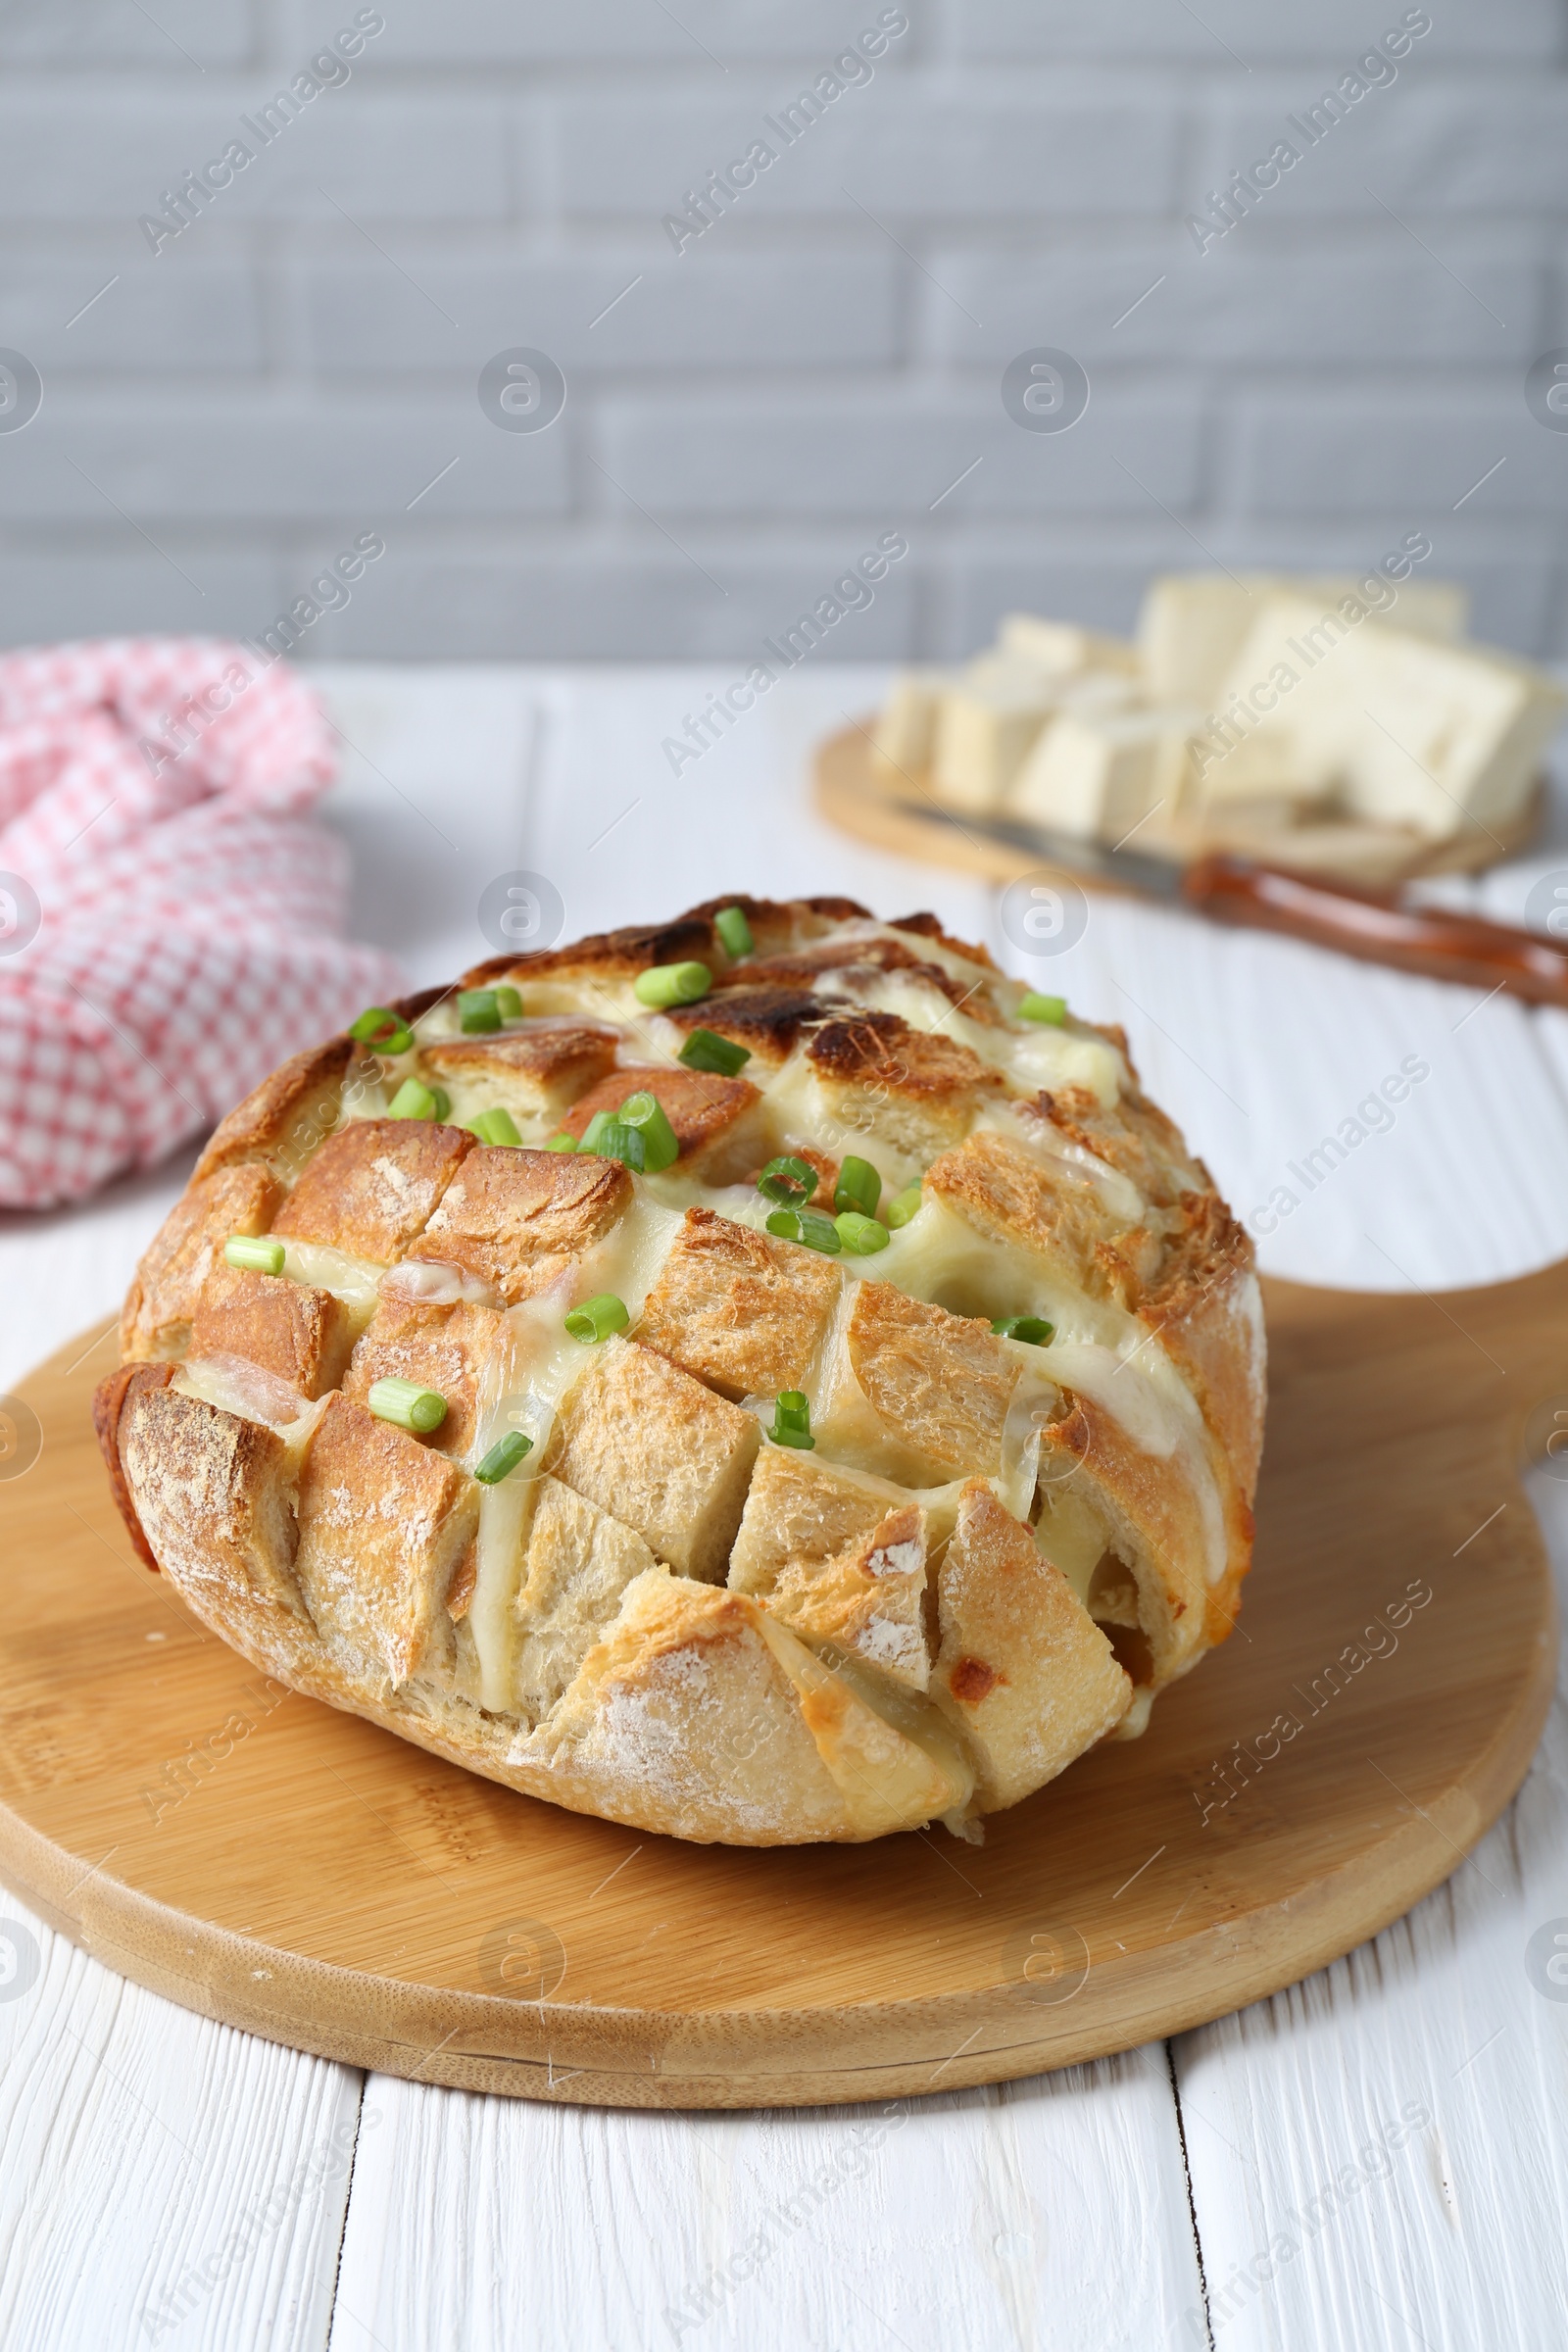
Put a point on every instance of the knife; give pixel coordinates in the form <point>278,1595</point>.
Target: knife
<point>1376,927</point>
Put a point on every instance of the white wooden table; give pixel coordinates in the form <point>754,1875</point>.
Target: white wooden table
<point>1378,2158</point>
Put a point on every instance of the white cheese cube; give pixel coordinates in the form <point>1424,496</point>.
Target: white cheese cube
<point>1193,624</point>
<point>1095,774</point>
<point>1402,729</point>
<point>984,732</point>
<point>1061,648</point>
<point>905,730</point>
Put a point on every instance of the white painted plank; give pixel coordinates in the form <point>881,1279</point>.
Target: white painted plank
<point>162,2180</point>
<point>1379,2156</point>
<point>1048,2214</point>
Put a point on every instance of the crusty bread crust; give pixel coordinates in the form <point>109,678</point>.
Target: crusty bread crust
<point>674,1614</point>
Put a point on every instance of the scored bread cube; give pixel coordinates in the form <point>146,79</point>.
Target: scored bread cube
<point>463,1353</point>
<point>213,1496</point>
<point>384,1527</point>
<point>715,1120</point>
<point>577,1563</point>
<point>913,1089</point>
<point>302,1335</point>
<point>535,1073</point>
<point>1048,1207</point>
<point>1021,1668</point>
<point>519,1219</point>
<point>742,1311</point>
<point>281,1121</point>
<point>768,1020</point>
<point>940,1383</point>
<point>657,1449</point>
<point>162,1299</point>
<point>372,1187</point>
<point>868,1599</point>
<point>800,1507</point>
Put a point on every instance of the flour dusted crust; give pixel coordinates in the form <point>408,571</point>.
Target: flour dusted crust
<point>996,1554</point>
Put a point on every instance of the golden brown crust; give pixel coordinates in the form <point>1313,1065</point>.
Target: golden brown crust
<point>215,1497</point>
<point>927,926</point>
<point>162,1299</point>
<point>1024,1673</point>
<point>519,1219</point>
<point>287,1115</point>
<point>108,1405</point>
<point>383,1525</point>
<point>531,1072</point>
<point>657,1451</point>
<point>713,1118</point>
<point>372,1187</point>
<point>917,1087</point>
<point>1048,1208</point>
<point>460,1351</point>
<point>769,1022</point>
<point>302,1335</point>
<point>941,1382</point>
<point>850,967</point>
<point>742,1311</point>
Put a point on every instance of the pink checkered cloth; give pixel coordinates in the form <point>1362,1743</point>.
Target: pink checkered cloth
<point>170,924</point>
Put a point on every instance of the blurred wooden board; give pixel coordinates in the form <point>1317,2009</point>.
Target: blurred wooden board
<point>311,1879</point>
<point>902,812</point>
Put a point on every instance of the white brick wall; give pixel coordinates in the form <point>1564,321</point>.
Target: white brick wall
<point>302,361</point>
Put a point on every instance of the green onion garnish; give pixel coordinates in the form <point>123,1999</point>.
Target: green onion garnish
<point>395,1041</point>
<point>497,1126</point>
<point>702,1050</point>
<point>1035,1008</point>
<point>416,1102</point>
<point>376,1022</point>
<point>510,1002</point>
<point>735,932</point>
<point>903,1206</point>
<point>808,1226</point>
<point>646,1114</point>
<point>858,1187</point>
<point>861,1237</point>
<point>792,1420</point>
<point>503,1457</point>
<point>255,1256</point>
<point>666,984</point>
<point>597,1318</point>
<point>789,1181</point>
<point>408,1404</point>
<point>609,1138</point>
<point>1033,1330</point>
<point>478,1011</point>
<point>561,1141</point>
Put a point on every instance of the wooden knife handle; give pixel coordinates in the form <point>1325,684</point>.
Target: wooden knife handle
<point>1380,928</point>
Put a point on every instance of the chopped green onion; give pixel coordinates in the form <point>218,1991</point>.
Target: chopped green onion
<point>861,1237</point>
<point>510,1002</point>
<point>666,984</point>
<point>597,1318</point>
<point>497,1126</point>
<point>443,1103</point>
<point>503,1457</point>
<point>478,1011</point>
<point>376,1022</point>
<point>646,1114</point>
<point>808,1226</point>
<point>395,1041</point>
<point>903,1205</point>
<point>792,1420</point>
<point>702,1050</point>
<point>1035,1008</point>
<point>255,1256</point>
<point>408,1404</point>
<point>735,932</point>
<point>561,1141</point>
<point>1033,1330</point>
<point>416,1102</point>
<point>789,1181</point>
<point>609,1138</point>
<point>858,1187</point>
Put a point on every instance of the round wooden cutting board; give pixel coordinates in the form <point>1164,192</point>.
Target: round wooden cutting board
<point>260,1859</point>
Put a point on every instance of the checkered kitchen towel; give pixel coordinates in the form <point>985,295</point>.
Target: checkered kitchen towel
<point>169,920</point>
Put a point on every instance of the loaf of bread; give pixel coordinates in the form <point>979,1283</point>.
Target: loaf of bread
<point>764,1377</point>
